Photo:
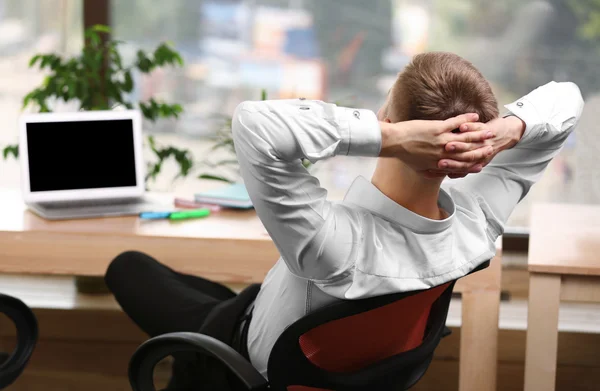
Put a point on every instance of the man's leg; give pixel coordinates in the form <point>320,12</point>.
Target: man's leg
<point>211,288</point>
<point>160,300</point>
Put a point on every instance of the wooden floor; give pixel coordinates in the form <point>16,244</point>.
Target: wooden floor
<point>90,350</point>
<point>86,341</point>
<point>578,363</point>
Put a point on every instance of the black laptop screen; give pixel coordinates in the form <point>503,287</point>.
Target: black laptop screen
<point>81,155</point>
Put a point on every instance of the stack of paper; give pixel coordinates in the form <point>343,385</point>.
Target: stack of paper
<point>230,196</point>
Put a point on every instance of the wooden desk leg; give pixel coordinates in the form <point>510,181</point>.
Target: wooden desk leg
<point>479,340</point>
<point>542,332</point>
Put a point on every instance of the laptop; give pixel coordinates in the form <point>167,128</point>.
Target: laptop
<point>83,164</point>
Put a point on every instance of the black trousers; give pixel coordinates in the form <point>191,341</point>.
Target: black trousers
<point>160,300</point>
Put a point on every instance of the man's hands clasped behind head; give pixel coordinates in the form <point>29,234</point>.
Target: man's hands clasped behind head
<point>504,133</point>
<point>431,148</point>
<point>422,145</point>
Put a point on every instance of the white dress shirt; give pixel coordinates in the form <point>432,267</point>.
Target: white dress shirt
<point>367,244</point>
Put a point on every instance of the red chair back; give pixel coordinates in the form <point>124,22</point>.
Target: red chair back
<point>352,343</point>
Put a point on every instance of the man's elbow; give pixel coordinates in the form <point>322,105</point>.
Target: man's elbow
<point>250,132</point>
<point>238,113</point>
<point>572,94</point>
<point>241,121</point>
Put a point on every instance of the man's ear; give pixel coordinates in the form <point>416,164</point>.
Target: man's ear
<point>389,121</point>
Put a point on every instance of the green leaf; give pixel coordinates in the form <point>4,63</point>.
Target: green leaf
<point>43,107</point>
<point>151,142</point>
<point>148,111</point>
<point>128,84</point>
<point>160,54</point>
<point>98,60</point>
<point>34,59</point>
<point>168,111</point>
<point>93,38</point>
<point>143,63</point>
<point>215,178</point>
<point>100,28</point>
<point>55,63</point>
<point>116,59</point>
<point>11,150</point>
<point>72,88</point>
<point>164,54</point>
<point>183,158</point>
<point>92,35</point>
<point>153,170</point>
<point>71,67</point>
<point>176,109</point>
<point>113,92</point>
<point>45,60</point>
<point>263,94</point>
<point>27,99</point>
<point>178,59</point>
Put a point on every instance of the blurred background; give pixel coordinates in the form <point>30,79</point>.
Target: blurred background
<point>346,51</point>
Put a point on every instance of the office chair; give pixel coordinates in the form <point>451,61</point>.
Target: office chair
<point>13,364</point>
<point>375,344</point>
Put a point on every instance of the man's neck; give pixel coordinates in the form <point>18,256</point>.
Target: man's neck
<point>406,187</point>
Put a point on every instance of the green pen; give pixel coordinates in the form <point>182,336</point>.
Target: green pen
<point>189,214</point>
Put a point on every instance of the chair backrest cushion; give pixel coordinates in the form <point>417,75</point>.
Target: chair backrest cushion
<point>384,342</point>
<point>352,343</point>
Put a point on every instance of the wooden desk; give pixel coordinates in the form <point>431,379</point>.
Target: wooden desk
<point>564,264</point>
<point>230,247</point>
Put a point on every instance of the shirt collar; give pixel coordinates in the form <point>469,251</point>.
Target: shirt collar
<point>364,194</point>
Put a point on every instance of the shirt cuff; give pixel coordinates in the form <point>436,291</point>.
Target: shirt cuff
<point>361,132</point>
<point>524,109</point>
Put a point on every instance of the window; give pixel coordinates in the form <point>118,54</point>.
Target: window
<point>346,51</point>
<point>28,27</point>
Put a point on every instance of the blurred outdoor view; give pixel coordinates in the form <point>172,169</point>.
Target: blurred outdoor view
<point>346,51</point>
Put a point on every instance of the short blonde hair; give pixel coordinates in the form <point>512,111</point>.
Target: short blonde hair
<point>439,85</point>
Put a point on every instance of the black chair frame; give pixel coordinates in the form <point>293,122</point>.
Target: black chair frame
<point>287,364</point>
<point>27,335</point>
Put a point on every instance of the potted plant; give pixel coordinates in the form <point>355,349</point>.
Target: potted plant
<point>98,79</point>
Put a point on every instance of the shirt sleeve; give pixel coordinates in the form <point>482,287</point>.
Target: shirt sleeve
<point>317,239</point>
<point>550,114</point>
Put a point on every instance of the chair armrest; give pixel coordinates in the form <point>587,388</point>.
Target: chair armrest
<point>143,361</point>
<point>27,335</point>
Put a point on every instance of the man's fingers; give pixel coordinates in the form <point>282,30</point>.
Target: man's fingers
<point>466,161</point>
<point>447,164</point>
<point>453,174</point>
<point>470,158</point>
<point>463,147</point>
<point>475,169</point>
<point>472,127</point>
<point>456,122</point>
<point>476,136</point>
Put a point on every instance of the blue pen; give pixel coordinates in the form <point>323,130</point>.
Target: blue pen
<point>155,215</point>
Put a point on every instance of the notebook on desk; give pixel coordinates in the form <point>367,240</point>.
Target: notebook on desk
<point>230,196</point>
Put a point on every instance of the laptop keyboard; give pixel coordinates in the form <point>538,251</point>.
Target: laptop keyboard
<point>131,202</point>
